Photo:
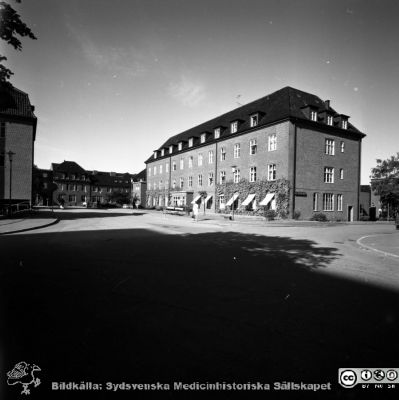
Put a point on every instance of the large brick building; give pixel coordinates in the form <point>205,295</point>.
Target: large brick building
<point>289,151</point>
<point>17,136</point>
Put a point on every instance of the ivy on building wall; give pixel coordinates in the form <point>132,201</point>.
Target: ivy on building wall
<point>260,188</point>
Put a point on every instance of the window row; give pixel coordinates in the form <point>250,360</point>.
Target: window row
<point>328,202</point>
<point>330,120</point>
<point>330,147</point>
<point>271,176</point>
<point>329,174</point>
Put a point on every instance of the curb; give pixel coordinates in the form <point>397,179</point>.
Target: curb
<point>32,228</point>
<point>385,253</point>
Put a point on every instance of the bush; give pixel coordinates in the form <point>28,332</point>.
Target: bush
<point>319,217</point>
<point>270,215</point>
<point>297,214</point>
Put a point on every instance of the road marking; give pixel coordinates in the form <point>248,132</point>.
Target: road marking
<point>359,242</point>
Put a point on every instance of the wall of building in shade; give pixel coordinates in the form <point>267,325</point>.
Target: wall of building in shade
<point>320,159</point>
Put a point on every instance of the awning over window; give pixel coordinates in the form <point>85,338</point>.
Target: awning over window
<point>196,199</point>
<point>208,198</point>
<point>232,200</point>
<point>267,199</point>
<point>248,200</point>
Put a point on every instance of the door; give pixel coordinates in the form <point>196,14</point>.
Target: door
<point>350,213</point>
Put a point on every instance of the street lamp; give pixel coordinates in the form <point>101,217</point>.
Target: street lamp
<point>10,157</point>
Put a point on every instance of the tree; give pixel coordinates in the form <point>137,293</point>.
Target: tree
<point>385,181</point>
<point>11,26</point>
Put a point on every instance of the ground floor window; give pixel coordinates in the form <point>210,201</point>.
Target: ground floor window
<point>315,201</point>
<point>328,202</point>
<point>222,202</point>
<point>339,202</point>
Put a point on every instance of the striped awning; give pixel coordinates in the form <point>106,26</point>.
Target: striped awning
<point>248,200</point>
<point>196,199</point>
<point>232,200</point>
<point>267,199</point>
<point>208,198</point>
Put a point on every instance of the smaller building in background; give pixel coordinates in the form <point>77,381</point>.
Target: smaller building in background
<point>139,187</point>
<point>364,200</point>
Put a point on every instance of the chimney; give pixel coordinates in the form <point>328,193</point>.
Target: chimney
<point>32,108</point>
<point>327,104</point>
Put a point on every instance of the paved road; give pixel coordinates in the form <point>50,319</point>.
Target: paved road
<point>122,296</point>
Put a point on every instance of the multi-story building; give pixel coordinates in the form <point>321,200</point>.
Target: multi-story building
<point>74,186</point>
<point>289,151</point>
<point>17,137</point>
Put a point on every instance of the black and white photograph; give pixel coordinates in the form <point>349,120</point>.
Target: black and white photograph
<point>199,199</point>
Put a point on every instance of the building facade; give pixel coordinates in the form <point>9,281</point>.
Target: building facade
<point>17,136</point>
<point>289,151</point>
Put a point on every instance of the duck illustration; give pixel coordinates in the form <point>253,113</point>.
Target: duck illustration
<point>24,374</point>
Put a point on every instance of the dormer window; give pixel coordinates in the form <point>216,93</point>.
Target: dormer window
<point>254,120</point>
<point>217,133</point>
<point>180,146</point>
<point>344,124</point>
<point>170,149</point>
<point>162,152</point>
<point>234,127</point>
<point>203,137</point>
<point>329,120</point>
<point>313,115</point>
<point>155,154</point>
<point>190,142</point>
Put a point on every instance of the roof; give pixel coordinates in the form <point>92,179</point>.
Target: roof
<point>68,166</point>
<point>280,105</point>
<point>141,176</point>
<point>15,102</point>
<point>110,178</point>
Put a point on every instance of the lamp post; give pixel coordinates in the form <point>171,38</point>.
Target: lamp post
<point>10,157</point>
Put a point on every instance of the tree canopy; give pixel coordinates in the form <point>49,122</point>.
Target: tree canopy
<point>385,180</point>
<point>11,28</point>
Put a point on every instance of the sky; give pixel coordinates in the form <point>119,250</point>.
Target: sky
<point>112,80</point>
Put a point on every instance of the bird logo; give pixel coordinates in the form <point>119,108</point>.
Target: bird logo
<point>24,374</point>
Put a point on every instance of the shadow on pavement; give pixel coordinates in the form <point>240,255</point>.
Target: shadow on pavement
<point>72,215</point>
<point>140,306</point>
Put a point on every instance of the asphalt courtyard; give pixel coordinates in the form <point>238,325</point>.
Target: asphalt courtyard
<point>130,296</point>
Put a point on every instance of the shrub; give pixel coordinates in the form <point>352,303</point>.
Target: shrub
<point>319,217</point>
<point>297,214</point>
<point>270,215</point>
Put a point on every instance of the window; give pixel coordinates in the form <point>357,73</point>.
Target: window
<point>222,154</point>
<point>237,150</point>
<point>252,146</point>
<point>155,170</point>
<point>155,154</point>
<point>234,127</point>
<point>313,116</point>
<point>315,201</point>
<point>210,178</point>
<point>328,175</point>
<point>210,156</point>
<point>222,177</point>
<point>149,185</point>
<point>83,198</point>
<point>344,124</point>
<point>160,169</point>
<point>329,120</point>
<point>166,167</point>
<point>328,202</point>
<point>171,149</point>
<point>180,146</point>
<point>217,133</point>
<point>190,142</point>
<point>236,175</point>
<point>200,180</point>
<point>109,190</point>
<point>341,173</point>
<point>155,186</point>
<point>272,142</point>
<point>254,119</point>
<point>174,166</point>
<point>200,159</point>
<point>271,172</point>
<point>190,162</point>
<point>252,174</point>
<point>2,129</point>
<point>162,152</point>
<point>181,183</point>
<point>221,199</point>
<point>174,184</point>
<point>339,202</point>
<point>190,181</point>
<point>342,147</point>
<point>330,147</point>
<point>149,171</point>
<point>203,137</point>
<point>72,197</point>
<point>181,163</point>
